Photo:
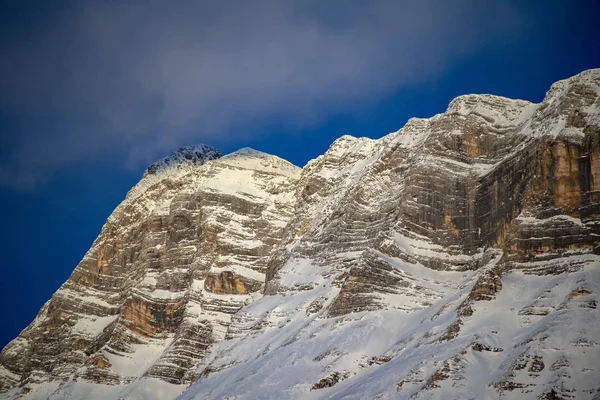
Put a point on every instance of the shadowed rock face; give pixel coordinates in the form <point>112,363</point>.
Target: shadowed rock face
<point>434,222</point>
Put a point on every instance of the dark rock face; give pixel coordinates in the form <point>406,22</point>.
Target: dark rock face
<point>469,238</point>
<point>185,156</point>
<point>330,380</point>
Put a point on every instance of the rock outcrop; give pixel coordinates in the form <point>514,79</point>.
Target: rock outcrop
<point>185,250</point>
<point>450,247</point>
<point>456,258</point>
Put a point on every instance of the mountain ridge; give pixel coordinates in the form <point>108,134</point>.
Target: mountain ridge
<point>369,272</point>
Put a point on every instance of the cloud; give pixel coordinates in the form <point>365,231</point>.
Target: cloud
<point>85,78</point>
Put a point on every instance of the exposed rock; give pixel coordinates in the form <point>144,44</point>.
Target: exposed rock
<point>378,360</point>
<point>463,219</point>
<point>227,282</point>
<point>579,292</point>
<point>487,285</point>
<point>551,395</point>
<point>330,380</point>
<point>143,294</point>
<point>536,364</point>
<point>464,247</point>
<point>484,347</point>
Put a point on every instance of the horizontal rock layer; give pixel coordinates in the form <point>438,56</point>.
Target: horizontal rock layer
<point>168,270</point>
<point>455,258</point>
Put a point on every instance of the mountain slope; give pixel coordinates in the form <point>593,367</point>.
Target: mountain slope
<point>456,258</point>
<point>181,254</point>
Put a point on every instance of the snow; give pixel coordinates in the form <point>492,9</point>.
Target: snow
<point>179,163</point>
<point>240,270</point>
<point>8,374</point>
<point>282,344</point>
<point>161,294</point>
<point>299,272</point>
<point>254,176</point>
<point>425,248</point>
<point>285,362</point>
<point>162,208</point>
<point>255,160</point>
<point>90,296</point>
<point>491,108</point>
<point>93,326</point>
<point>143,389</point>
<point>139,358</point>
<point>413,134</point>
<point>533,221</point>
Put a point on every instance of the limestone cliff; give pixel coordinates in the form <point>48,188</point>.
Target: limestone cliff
<point>458,257</point>
<point>185,250</point>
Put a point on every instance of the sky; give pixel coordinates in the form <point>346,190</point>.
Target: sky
<point>92,92</point>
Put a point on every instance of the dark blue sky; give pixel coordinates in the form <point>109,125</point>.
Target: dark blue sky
<point>92,92</point>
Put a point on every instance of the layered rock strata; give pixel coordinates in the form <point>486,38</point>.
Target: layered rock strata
<point>184,251</point>
<point>462,250</point>
<point>456,258</point>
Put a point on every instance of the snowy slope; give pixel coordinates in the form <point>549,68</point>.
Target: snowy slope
<point>391,354</point>
<point>385,286</point>
<point>457,258</point>
<point>184,251</point>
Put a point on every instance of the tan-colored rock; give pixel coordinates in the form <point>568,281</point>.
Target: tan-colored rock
<point>225,283</point>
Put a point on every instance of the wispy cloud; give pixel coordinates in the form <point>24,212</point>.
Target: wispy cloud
<point>145,77</point>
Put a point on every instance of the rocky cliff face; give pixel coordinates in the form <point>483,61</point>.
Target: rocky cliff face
<point>456,258</point>
<point>185,250</point>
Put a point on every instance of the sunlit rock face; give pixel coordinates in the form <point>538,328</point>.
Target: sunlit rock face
<point>458,257</point>
<point>185,250</point>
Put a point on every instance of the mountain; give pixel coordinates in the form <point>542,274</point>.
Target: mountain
<point>458,257</point>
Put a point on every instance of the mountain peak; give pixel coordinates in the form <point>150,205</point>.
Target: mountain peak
<point>248,152</point>
<point>454,258</point>
<point>190,155</point>
<point>249,158</point>
<point>490,107</point>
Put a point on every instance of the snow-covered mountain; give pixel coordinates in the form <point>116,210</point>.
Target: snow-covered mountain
<point>458,257</point>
